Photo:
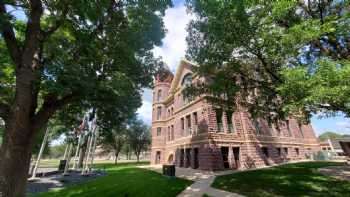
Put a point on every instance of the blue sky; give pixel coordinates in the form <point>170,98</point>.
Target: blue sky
<point>173,49</point>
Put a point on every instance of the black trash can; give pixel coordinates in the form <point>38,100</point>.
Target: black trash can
<point>62,165</point>
<point>169,170</point>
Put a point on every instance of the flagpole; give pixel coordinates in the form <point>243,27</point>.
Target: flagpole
<point>43,144</point>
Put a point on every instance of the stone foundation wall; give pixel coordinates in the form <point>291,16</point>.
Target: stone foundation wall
<point>250,154</point>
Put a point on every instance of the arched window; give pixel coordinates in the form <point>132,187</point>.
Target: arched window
<point>187,80</point>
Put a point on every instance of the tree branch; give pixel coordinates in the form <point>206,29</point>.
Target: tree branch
<point>51,104</point>
<point>33,32</point>
<point>9,36</point>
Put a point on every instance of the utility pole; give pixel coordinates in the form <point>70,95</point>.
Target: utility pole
<point>43,144</point>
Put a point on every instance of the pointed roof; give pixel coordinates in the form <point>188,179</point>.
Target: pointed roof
<point>164,74</point>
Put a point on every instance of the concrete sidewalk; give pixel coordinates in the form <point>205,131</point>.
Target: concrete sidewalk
<point>202,181</point>
<point>201,187</point>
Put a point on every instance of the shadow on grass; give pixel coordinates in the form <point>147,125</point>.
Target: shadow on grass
<point>124,180</point>
<point>300,179</point>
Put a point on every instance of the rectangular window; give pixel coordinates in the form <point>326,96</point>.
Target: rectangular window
<point>159,131</point>
<point>182,126</point>
<point>278,151</point>
<point>230,126</point>
<point>159,112</point>
<point>189,127</point>
<point>297,151</point>
<point>172,132</point>
<point>159,95</point>
<point>195,118</point>
<point>195,122</point>
<point>218,113</point>
<point>285,150</point>
<point>265,151</point>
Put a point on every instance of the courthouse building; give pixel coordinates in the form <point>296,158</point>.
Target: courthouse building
<point>192,133</point>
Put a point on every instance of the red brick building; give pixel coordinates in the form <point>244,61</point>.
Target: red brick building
<point>194,134</point>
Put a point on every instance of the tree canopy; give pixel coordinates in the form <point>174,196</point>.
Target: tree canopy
<point>275,58</point>
<point>65,58</point>
<point>329,135</point>
<point>138,136</point>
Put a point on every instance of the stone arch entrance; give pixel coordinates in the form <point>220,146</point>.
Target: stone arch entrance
<point>171,159</point>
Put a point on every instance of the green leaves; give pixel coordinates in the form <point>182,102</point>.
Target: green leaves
<point>279,57</point>
<point>99,53</point>
<point>325,88</point>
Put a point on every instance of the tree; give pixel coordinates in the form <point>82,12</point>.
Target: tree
<point>66,55</point>
<point>114,140</point>
<point>329,135</point>
<point>57,151</point>
<point>127,151</point>
<point>138,136</point>
<point>275,58</point>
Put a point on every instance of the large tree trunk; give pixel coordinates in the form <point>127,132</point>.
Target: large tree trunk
<point>20,132</point>
<point>15,157</point>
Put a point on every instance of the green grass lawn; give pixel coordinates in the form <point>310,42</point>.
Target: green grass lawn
<point>301,179</point>
<point>123,180</point>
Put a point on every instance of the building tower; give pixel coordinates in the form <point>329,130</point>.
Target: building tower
<point>162,83</point>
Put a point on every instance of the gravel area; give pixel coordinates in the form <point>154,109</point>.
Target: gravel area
<point>54,181</point>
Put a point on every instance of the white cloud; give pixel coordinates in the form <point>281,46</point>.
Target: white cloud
<point>145,111</point>
<point>343,124</point>
<point>173,49</point>
<point>58,141</point>
<point>174,44</point>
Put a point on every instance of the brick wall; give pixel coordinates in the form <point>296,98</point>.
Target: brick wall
<point>208,141</point>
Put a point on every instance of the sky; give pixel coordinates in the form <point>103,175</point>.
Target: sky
<point>174,49</point>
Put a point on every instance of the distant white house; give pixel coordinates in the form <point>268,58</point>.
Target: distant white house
<point>340,146</point>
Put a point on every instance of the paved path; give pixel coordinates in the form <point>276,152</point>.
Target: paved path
<point>46,183</point>
<point>203,186</point>
<point>202,182</point>
<point>340,172</point>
